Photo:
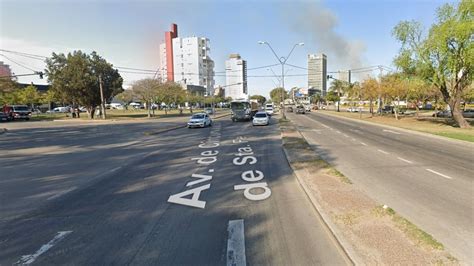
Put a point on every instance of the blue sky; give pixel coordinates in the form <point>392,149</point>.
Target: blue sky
<point>127,33</point>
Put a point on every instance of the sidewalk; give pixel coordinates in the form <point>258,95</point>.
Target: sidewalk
<point>368,231</point>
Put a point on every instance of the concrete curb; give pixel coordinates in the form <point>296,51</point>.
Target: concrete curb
<point>419,133</point>
<point>343,244</point>
<point>176,127</point>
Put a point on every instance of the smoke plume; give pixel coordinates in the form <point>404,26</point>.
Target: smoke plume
<point>320,24</point>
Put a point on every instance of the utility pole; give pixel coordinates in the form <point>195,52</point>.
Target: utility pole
<point>282,60</point>
<point>379,107</point>
<point>102,105</point>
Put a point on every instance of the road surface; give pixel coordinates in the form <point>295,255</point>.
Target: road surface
<point>427,180</point>
<point>111,195</point>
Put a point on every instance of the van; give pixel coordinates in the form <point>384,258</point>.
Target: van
<point>269,108</point>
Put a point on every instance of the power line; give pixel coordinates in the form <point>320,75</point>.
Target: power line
<point>32,56</point>
<point>22,65</point>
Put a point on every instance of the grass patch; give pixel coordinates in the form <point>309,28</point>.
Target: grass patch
<point>348,219</point>
<point>410,229</point>
<point>295,143</point>
<point>334,172</point>
<point>459,136</point>
<point>424,123</point>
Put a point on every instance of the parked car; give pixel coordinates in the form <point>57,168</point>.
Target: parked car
<point>200,120</point>
<point>261,118</point>
<point>4,117</point>
<point>59,110</point>
<point>444,113</point>
<point>300,109</point>
<point>209,111</point>
<point>353,109</point>
<point>289,109</point>
<point>17,112</point>
<point>469,113</point>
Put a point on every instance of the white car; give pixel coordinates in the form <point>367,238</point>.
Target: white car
<point>261,118</point>
<point>200,120</point>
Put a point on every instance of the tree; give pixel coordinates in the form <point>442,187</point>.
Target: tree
<point>445,56</point>
<point>277,93</point>
<point>172,93</point>
<point>418,91</point>
<point>339,87</point>
<point>8,91</point>
<point>126,96</point>
<point>49,97</point>
<point>147,90</point>
<point>75,78</point>
<point>29,96</point>
<point>260,99</point>
<point>332,96</point>
<point>370,91</point>
<point>394,89</point>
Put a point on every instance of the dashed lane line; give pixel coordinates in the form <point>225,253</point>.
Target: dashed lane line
<point>28,259</point>
<point>404,160</point>
<point>364,144</point>
<point>390,131</point>
<point>382,151</point>
<point>236,243</point>
<point>438,173</point>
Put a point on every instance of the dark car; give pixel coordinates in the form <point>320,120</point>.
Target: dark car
<point>469,113</point>
<point>300,109</point>
<point>4,117</point>
<point>445,113</point>
<point>289,109</point>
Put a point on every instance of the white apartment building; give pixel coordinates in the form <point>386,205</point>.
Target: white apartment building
<point>192,63</point>
<point>236,77</point>
<point>163,70</point>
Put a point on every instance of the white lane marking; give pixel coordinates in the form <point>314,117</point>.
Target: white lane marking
<point>211,170</point>
<point>405,160</point>
<point>363,144</point>
<point>382,151</point>
<point>440,174</point>
<point>236,243</point>
<point>28,259</point>
<point>61,193</point>
<point>345,135</point>
<point>394,132</point>
<point>338,131</point>
<point>353,139</point>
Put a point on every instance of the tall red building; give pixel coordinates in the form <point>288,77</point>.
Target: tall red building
<point>169,36</point>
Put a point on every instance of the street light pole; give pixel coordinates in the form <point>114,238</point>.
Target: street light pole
<point>282,60</point>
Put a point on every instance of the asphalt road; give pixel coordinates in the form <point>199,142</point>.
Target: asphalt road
<point>427,180</point>
<point>119,197</point>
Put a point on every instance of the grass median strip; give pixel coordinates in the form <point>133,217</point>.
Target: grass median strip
<point>410,229</point>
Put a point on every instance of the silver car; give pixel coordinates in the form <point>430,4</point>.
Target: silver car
<point>200,120</point>
<point>261,118</point>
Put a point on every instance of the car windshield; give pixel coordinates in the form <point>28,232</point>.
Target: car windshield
<point>21,108</point>
<point>239,105</point>
<point>200,116</point>
<point>260,115</point>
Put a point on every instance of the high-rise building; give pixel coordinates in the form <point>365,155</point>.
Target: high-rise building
<point>236,77</point>
<point>166,68</point>
<point>192,64</point>
<point>5,70</point>
<point>317,71</point>
<point>345,76</point>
